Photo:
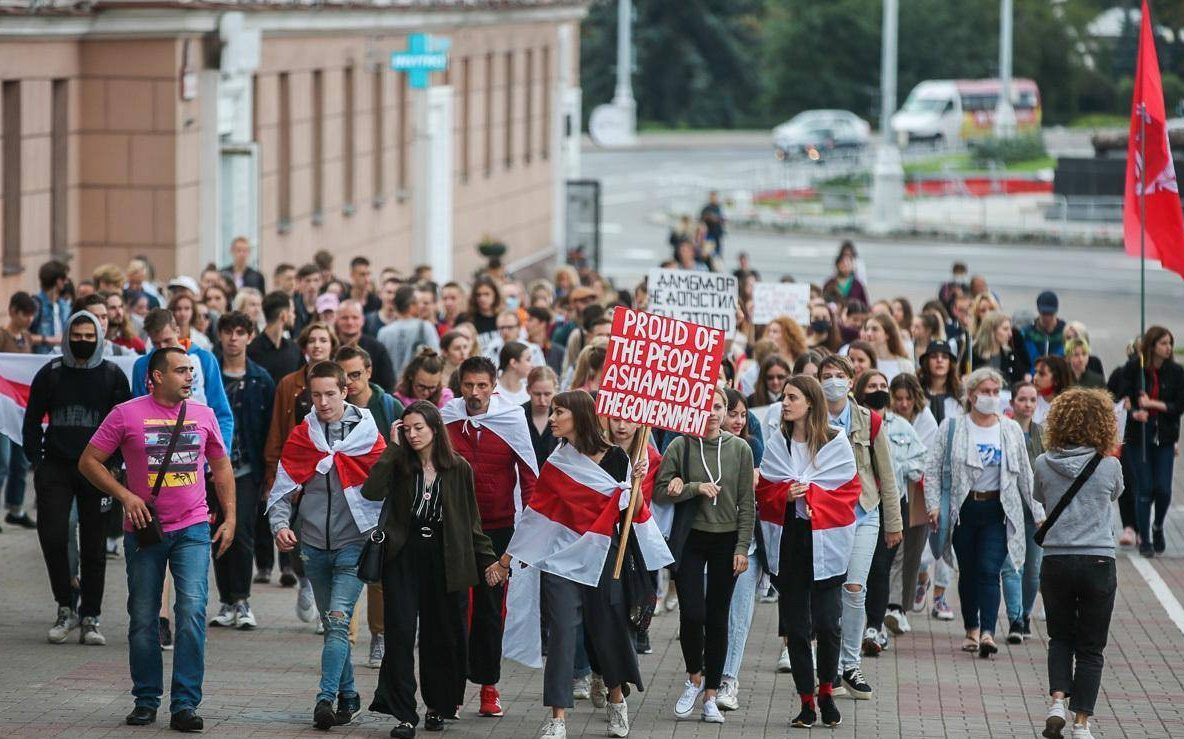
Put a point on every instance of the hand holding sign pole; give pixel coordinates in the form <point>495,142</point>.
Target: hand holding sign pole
<point>662,372</point>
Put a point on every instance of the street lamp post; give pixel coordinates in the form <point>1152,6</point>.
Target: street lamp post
<point>1004,112</point>
<point>615,124</point>
<point>888,174</point>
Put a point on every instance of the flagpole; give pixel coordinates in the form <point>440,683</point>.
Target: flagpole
<point>639,452</point>
<point>1143,263</point>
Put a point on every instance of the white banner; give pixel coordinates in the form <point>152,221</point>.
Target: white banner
<point>705,298</point>
<point>773,299</point>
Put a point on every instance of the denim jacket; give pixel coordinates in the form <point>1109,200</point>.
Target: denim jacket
<point>44,324</point>
<point>255,419</point>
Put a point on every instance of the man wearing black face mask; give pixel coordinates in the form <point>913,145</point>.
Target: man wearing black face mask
<point>76,390</point>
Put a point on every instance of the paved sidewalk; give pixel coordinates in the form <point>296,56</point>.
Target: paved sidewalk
<point>262,683</point>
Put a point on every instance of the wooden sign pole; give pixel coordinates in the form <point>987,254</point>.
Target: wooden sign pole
<point>639,453</point>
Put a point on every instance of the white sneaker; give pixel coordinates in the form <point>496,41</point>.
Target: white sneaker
<point>243,617</point>
<point>599,692</point>
<point>67,622</point>
<point>686,702</point>
<point>783,664</point>
<point>89,633</point>
<point>225,616</point>
<point>555,728</point>
<point>306,604</point>
<point>711,712</point>
<point>1054,724</point>
<point>377,651</point>
<point>618,719</point>
<point>728,696</point>
<point>1082,732</point>
<point>670,602</point>
<point>897,622</point>
<point>320,629</point>
<point>581,688</point>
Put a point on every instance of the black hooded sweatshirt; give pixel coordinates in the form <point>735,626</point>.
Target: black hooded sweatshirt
<point>77,395</point>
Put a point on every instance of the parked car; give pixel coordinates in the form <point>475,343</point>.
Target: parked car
<point>815,134</point>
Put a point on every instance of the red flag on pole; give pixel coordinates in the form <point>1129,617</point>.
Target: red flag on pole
<point>1153,228</point>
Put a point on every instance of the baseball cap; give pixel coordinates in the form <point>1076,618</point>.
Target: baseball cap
<point>1047,303</point>
<point>186,282</point>
<point>327,301</point>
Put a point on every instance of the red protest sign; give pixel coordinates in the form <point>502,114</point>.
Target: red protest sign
<point>660,372</point>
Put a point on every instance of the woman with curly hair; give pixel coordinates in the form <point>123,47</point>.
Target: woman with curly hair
<point>1078,579</point>
<point>788,335</point>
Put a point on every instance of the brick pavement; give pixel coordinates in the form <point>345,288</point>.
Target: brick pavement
<point>261,683</point>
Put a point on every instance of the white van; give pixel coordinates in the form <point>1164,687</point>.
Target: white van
<point>943,111</point>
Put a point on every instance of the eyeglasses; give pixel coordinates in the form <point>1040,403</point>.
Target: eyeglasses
<point>507,328</point>
<point>354,376</point>
<point>780,378</point>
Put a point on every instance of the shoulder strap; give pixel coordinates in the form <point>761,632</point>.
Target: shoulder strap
<point>168,455</point>
<point>1067,498</point>
<point>686,461</point>
<point>877,421</point>
<point>388,405</point>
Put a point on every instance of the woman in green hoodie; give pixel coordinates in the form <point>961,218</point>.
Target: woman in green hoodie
<point>711,481</point>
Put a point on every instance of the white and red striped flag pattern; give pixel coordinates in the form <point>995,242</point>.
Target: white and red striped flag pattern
<point>832,497</point>
<point>568,527</point>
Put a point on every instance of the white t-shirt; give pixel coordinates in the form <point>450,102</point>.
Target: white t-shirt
<point>799,454</point>
<point>890,367</point>
<point>988,440</point>
<point>517,398</point>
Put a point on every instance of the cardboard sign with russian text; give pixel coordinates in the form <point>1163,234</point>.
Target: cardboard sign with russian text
<point>773,299</point>
<point>705,298</point>
<point>660,372</point>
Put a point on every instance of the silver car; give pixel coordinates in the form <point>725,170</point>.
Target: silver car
<point>816,134</point>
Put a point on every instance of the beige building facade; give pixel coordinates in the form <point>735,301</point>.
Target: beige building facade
<point>163,129</point>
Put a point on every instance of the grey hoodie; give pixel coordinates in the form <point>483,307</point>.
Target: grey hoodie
<point>95,359</point>
<point>1085,526</point>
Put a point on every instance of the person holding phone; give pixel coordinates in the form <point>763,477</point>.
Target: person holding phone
<point>435,551</point>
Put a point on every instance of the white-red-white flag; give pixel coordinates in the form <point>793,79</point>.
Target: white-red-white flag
<point>833,494</point>
<point>568,527</point>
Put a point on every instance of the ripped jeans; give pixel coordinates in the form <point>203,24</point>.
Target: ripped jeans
<point>336,588</point>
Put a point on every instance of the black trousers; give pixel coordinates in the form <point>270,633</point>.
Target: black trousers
<point>597,615</point>
<point>879,577</point>
<point>485,637</point>
<point>1078,595</point>
<point>703,612</point>
<point>1126,501</point>
<point>413,592</point>
<point>233,570</point>
<point>811,608</point>
<point>59,484</point>
<point>264,543</point>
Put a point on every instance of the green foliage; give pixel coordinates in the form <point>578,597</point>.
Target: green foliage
<point>1007,151</point>
<point>756,63</point>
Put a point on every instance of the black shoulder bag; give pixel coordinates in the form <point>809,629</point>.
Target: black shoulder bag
<point>1067,498</point>
<point>370,559</point>
<point>153,532</point>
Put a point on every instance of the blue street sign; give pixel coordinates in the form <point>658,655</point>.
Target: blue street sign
<point>424,55</point>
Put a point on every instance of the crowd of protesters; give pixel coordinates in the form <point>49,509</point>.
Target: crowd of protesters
<point>313,414</point>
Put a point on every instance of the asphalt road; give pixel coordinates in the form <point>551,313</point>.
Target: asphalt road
<point>1097,285</point>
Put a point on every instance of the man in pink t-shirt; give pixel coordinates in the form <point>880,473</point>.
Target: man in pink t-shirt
<point>141,429</point>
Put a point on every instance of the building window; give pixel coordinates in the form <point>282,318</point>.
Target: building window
<point>404,135</point>
<point>11,129</point>
<point>466,111</point>
<point>528,120</point>
<point>489,88</point>
<point>284,155</point>
<point>377,146</point>
<point>548,114</point>
<point>509,157</point>
<point>318,147</point>
<point>347,141</point>
<point>59,169</point>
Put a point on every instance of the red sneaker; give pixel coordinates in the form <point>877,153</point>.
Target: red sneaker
<point>491,702</point>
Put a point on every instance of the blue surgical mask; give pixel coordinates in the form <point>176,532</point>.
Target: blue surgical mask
<point>512,303</point>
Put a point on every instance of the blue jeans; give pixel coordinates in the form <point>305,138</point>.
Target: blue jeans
<point>336,588</point>
<point>740,616</point>
<point>1020,588</point>
<point>186,553</point>
<point>867,533</point>
<point>980,542</point>
<point>15,468</point>
<point>1153,485</point>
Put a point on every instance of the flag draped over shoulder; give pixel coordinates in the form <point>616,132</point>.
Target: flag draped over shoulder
<point>1152,224</point>
<point>832,497</point>
<point>307,453</point>
<point>568,528</point>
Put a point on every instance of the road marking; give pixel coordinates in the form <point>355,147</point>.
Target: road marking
<point>1162,591</point>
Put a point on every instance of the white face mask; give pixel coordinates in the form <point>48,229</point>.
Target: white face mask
<point>835,388</point>
<point>987,405</point>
